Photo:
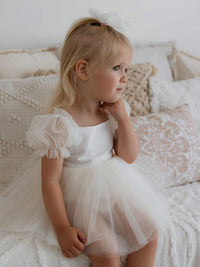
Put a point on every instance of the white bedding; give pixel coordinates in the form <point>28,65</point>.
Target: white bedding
<point>179,247</point>
<point>184,233</point>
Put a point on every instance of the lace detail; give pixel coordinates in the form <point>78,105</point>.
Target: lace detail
<point>169,137</point>
<point>185,216</point>
<point>13,250</point>
<point>42,260</point>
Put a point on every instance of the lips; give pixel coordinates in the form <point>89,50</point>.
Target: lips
<point>120,89</point>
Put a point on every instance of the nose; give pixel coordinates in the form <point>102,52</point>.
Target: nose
<point>123,78</point>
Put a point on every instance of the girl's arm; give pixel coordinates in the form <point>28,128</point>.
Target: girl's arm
<point>70,239</point>
<point>51,171</point>
<point>126,145</point>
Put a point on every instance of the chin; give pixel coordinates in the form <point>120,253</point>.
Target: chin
<point>116,99</point>
<point>112,99</point>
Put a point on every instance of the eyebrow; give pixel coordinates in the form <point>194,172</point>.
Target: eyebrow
<point>122,63</point>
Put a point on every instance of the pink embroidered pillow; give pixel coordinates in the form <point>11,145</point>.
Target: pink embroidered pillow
<point>169,143</point>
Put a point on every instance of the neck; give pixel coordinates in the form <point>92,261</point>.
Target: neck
<point>88,105</point>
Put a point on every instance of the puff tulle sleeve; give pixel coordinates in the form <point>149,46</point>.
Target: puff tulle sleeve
<point>52,135</point>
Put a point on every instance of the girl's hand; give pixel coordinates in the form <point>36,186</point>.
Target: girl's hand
<point>71,241</point>
<point>117,110</point>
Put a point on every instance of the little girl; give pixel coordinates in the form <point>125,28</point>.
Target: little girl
<point>96,198</point>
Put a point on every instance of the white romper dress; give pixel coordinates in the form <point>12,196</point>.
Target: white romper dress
<point>111,201</point>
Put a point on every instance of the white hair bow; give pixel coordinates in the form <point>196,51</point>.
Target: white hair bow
<point>112,19</point>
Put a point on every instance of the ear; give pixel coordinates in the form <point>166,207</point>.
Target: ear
<point>81,69</point>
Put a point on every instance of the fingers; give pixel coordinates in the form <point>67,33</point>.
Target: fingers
<point>75,251</point>
<point>79,245</point>
<point>72,252</point>
<point>72,242</point>
<point>82,236</point>
<point>67,253</point>
<point>105,104</point>
<point>117,109</point>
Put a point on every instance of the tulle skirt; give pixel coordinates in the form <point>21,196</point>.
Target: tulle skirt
<point>114,203</point>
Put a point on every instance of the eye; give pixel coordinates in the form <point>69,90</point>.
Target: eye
<point>116,67</point>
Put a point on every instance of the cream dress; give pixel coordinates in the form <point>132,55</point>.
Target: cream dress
<point>112,202</point>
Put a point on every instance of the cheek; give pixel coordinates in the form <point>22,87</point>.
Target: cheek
<point>112,80</point>
<point>106,82</point>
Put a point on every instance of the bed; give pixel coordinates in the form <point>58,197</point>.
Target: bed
<point>163,91</point>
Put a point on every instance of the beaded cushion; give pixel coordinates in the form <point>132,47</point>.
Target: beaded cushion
<point>137,88</point>
<point>20,101</point>
<point>41,72</point>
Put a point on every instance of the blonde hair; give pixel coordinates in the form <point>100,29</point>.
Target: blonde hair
<point>90,40</point>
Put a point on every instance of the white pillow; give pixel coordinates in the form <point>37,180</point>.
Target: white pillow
<point>156,58</point>
<point>20,101</point>
<point>24,63</point>
<point>185,66</point>
<point>160,55</point>
<point>166,94</point>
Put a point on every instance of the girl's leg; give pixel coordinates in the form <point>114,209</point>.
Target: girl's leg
<point>102,261</point>
<point>107,245</point>
<point>144,257</point>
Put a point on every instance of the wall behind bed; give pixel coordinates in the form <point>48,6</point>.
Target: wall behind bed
<point>31,24</point>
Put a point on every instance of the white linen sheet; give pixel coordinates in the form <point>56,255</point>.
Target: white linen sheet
<point>179,247</point>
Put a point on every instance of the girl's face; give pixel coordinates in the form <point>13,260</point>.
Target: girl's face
<point>107,81</point>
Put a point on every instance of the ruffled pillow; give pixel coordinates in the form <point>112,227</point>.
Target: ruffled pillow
<point>53,135</point>
<point>168,95</point>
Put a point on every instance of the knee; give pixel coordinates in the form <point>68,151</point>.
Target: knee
<point>107,261</point>
<point>111,260</point>
<point>154,241</point>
